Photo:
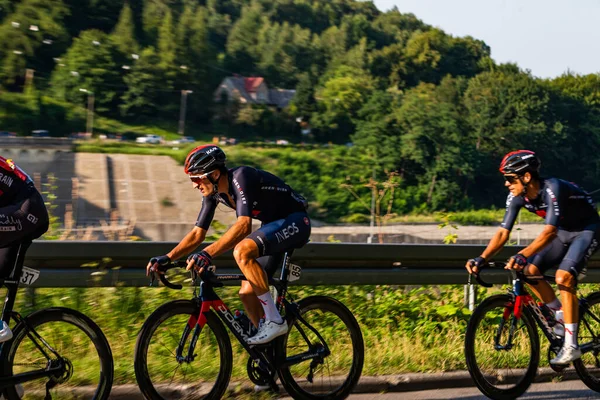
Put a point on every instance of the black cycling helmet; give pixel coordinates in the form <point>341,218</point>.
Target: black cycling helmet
<point>204,159</point>
<point>520,161</point>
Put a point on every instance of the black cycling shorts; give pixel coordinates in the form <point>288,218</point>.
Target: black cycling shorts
<point>275,238</point>
<point>569,250</point>
<point>25,220</point>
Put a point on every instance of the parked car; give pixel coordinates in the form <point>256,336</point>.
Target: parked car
<point>7,134</point>
<point>150,139</point>
<point>184,140</point>
<point>40,133</point>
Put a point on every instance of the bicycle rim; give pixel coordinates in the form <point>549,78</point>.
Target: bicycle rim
<point>588,367</point>
<point>79,345</point>
<point>161,375</point>
<point>501,373</point>
<point>335,375</point>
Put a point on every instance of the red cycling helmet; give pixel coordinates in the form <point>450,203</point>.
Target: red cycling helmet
<point>204,159</point>
<point>520,161</point>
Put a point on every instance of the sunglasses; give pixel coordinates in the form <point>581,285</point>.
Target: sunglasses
<point>199,178</point>
<point>511,179</point>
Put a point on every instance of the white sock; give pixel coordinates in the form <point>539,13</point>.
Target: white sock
<point>271,313</point>
<point>571,335</point>
<point>555,304</point>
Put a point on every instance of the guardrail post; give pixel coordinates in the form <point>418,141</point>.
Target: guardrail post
<point>470,296</point>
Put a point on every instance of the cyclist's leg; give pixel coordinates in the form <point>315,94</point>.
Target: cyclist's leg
<point>582,246</point>
<point>550,256</point>
<point>272,238</point>
<point>251,303</point>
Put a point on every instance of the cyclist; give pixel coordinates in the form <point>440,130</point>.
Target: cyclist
<point>568,239</point>
<point>23,217</point>
<point>254,194</point>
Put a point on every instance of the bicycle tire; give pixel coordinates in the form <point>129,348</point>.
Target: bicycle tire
<point>589,374</point>
<point>488,388</point>
<point>75,319</point>
<point>182,309</point>
<point>295,388</point>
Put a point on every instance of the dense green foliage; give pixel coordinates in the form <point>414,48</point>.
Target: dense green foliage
<point>434,108</point>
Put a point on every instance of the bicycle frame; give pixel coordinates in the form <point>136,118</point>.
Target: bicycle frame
<point>208,300</point>
<point>12,284</point>
<point>522,298</point>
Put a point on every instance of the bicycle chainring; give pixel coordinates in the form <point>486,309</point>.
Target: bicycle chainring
<point>259,375</point>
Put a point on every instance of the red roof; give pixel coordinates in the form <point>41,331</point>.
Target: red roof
<point>251,84</point>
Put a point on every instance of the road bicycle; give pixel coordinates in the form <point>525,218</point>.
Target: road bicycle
<point>184,347</point>
<point>502,344</point>
<point>52,350</point>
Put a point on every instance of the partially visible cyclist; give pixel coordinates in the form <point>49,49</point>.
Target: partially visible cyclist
<point>254,194</point>
<point>23,217</point>
<point>568,239</point>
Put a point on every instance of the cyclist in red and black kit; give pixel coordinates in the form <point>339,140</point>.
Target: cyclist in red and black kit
<point>23,217</point>
<point>254,194</point>
<point>568,239</point>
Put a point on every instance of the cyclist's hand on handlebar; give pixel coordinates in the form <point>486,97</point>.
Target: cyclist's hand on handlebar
<point>474,264</point>
<point>199,261</point>
<point>155,263</point>
<point>516,262</point>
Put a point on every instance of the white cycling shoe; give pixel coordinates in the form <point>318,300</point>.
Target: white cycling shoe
<point>566,355</point>
<point>5,333</point>
<point>267,332</point>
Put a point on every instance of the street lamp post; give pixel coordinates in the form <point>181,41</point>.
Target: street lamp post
<point>184,94</point>
<point>90,111</point>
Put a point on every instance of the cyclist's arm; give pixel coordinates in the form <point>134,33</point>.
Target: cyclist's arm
<point>543,239</point>
<point>551,196</point>
<point>496,243</point>
<point>245,183</point>
<point>188,244</point>
<point>235,234</point>
<point>513,206</point>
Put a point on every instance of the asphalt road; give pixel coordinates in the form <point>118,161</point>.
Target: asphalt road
<point>566,390</point>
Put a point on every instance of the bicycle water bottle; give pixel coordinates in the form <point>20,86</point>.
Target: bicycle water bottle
<point>559,328</point>
<point>548,314</point>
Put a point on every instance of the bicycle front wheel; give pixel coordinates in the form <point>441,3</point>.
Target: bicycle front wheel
<point>334,374</point>
<point>163,366</point>
<point>588,366</point>
<point>65,340</point>
<point>502,352</point>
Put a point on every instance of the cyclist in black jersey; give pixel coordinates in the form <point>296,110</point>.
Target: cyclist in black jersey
<point>254,194</point>
<point>23,217</point>
<point>568,239</point>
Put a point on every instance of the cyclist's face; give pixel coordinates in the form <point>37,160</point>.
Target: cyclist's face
<point>513,183</point>
<point>202,183</point>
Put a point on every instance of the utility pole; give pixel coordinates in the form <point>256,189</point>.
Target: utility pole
<point>90,111</point>
<point>183,107</point>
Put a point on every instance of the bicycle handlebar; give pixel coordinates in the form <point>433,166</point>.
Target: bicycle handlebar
<point>207,275</point>
<point>530,279</point>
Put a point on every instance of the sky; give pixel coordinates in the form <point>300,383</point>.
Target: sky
<point>546,37</point>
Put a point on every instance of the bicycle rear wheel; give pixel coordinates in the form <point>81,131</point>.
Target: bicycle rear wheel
<point>79,345</point>
<point>332,376</point>
<point>588,366</point>
<point>501,373</point>
<point>160,375</point>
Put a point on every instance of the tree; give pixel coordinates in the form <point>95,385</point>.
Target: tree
<point>242,40</point>
<point>89,64</point>
<point>123,36</point>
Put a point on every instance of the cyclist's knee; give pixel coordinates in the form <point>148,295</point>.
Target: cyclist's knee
<point>566,281</point>
<point>532,270</point>
<point>245,251</point>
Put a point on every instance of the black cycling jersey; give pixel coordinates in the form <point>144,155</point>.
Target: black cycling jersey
<point>256,194</point>
<point>13,182</point>
<point>563,204</point>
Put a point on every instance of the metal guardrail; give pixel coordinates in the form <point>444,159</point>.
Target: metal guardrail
<point>82,264</point>
<point>26,142</point>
